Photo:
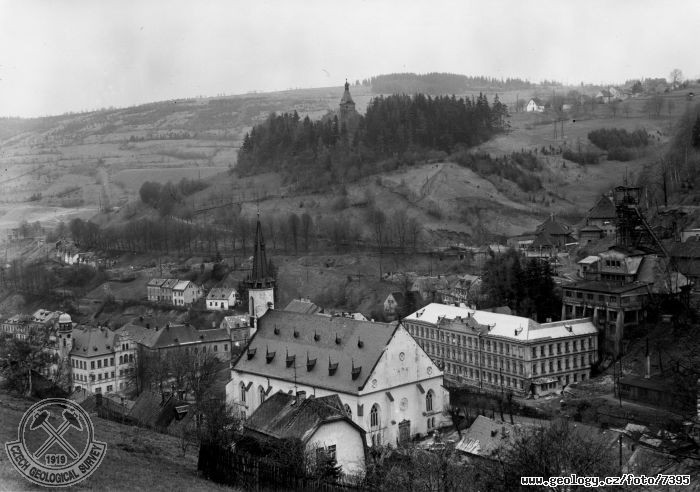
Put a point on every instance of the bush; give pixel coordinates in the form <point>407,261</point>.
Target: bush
<point>620,154</point>
<point>581,157</point>
<point>614,138</point>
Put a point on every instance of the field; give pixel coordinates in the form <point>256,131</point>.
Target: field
<point>137,459</point>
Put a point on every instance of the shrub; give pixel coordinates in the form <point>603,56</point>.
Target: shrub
<point>581,157</point>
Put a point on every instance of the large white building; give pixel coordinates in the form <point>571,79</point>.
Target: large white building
<point>387,383</point>
<point>502,352</point>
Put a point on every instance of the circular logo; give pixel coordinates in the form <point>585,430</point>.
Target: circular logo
<point>402,356</point>
<point>55,444</point>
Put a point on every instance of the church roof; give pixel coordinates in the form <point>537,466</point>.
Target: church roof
<point>304,338</point>
<point>282,417</point>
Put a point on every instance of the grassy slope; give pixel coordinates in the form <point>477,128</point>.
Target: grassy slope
<point>137,459</point>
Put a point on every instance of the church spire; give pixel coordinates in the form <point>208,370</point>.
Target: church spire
<point>260,276</point>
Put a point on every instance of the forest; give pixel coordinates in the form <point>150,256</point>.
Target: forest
<point>440,83</point>
<point>397,130</point>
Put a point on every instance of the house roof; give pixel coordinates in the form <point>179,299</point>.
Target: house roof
<point>156,282</point>
<point>152,409</point>
<point>554,228</point>
<point>303,306</point>
<point>220,293</point>
<point>485,436</point>
<point>93,342</point>
<point>590,228</point>
<point>233,322</point>
<point>537,101</point>
<point>282,416</point>
<point>603,209</point>
<point>334,339</point>
<point>501,325</point>
<point>589,260</point>
<point>172,335</point>
<point>182,285</point>
<point>169,283</point>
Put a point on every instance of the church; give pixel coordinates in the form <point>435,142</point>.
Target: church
<point>386,382</point>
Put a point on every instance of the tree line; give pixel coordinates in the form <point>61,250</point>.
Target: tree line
<point>314,155</point>
<point>440,83</point>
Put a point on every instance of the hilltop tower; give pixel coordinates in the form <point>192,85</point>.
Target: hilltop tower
<point>347,105</point>
<point>261,283</point>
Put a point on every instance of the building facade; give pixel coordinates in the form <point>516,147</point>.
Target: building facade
<point>500,352</point>
<point>221,299</point>
<point>386,382</point>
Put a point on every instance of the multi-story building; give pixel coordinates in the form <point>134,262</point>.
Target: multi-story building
<point>502,352</point>
<point>173,291</point>
<point>185,293</point>
<point>221,299</point>
<point>98,360</point>
<point>154,290</point>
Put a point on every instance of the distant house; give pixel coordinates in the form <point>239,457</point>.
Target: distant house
<point>157,410</point>
<point>321,424</point>
<point>186,293</point>
<point>166,290</point>
<point>603,215</point>
<point>604,96</point>
<point>535,105</point>
<point>153,289</point>
<point>303,306</point>
<point>462,290</point>
<point>221,299</point>
<point>398,304</point>
<point>589,234</point>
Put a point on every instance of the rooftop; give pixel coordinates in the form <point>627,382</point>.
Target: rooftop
<point>301,338</point>
<point>93,342</point>
<point>172,335</point>
<point>282,416</point>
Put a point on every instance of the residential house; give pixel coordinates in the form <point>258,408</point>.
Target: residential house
<point>166,290</point>
<point>154,290</point>
<point>604,96</point>
<point>17,326</point>
<point>523,242</point>
<point>535,105</point>
<point>590,234</point>
<point>222,299</point>
<point>185,293</point>
<point>386,382</point>
<point>463,290</point>
<point>321,424</point>
<point>159,410</point>
<point>500,352</point>
<point>485,437</point>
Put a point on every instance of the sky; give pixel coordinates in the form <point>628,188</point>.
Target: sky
<point>76,55</point>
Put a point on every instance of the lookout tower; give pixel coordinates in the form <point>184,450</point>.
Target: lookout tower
<point>64,334</point>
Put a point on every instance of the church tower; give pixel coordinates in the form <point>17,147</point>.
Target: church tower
<point>261,283</point>
<point>347,105</point>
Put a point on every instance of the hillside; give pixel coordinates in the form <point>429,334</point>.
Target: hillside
<point>60,167</point>
<point>154,461</point>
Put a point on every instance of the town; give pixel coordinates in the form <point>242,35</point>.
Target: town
<point>406,281</point>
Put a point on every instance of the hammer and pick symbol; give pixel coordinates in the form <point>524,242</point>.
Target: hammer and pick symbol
<point>70,419</point>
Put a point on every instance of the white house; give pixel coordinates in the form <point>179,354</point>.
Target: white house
<point>221,299</point>
<point>185,293</point>
<point>535,105</point>
<point>387,384</point>
<point>320,423</point>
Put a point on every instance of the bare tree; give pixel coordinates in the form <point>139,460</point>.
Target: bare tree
<point>676,77</point>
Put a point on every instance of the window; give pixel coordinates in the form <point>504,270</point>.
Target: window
<point>216,348</point>
<point>111,361</point>
<point>92,364</point>
<point>261,393</point>
<point>109,388</point>
<point>112,374</point>
<point>121,359</point>
<point>242,392</point>
<point>348,410</point>
<point>131,357</point>
<point>429,401</point>
<point>99,364</point>
<point>226,347</point>
<point>374,416</point>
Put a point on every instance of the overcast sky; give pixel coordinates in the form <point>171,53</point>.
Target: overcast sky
<point>72,55</point>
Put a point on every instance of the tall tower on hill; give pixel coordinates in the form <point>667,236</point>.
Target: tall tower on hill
<point>261,283</point>
<point>347,105</point>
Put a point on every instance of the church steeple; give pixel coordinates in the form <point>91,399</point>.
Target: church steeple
<point>261,276</point>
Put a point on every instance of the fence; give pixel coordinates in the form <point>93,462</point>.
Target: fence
<point>252,473</point>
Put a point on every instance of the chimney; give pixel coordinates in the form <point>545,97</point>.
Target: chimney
<point>301,396</point>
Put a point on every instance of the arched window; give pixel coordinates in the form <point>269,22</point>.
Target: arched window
<point>429,401</point>
<point>121,359</point>
<point>242,392</point>
<point>348,410</point>
<point>261,392</point>
<point>374,416</point>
